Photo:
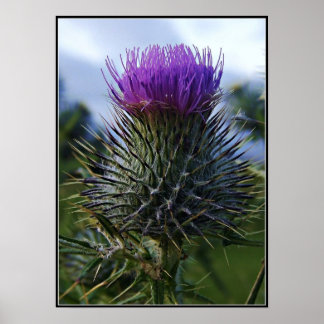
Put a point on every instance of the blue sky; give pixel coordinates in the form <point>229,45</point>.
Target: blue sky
<point>84,44</point>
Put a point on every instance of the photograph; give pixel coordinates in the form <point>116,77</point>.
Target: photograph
<point>161,161</point>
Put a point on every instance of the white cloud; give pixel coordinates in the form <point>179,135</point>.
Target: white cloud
<point>76,40</point>
<point>242,40</point>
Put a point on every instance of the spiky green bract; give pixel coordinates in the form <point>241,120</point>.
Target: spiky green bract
<point>164,175</point>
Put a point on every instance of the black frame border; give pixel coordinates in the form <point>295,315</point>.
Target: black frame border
<point>57,170</point>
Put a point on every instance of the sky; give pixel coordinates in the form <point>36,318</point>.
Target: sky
<point>83,45</point>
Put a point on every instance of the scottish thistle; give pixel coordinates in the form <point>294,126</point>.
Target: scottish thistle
<point>170,168</point>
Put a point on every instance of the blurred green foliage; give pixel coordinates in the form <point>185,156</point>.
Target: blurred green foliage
<point>248,101</point>
<point>71,122</point>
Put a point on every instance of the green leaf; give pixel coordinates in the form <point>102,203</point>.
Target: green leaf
<point>77,251</point>
<point>74,243</point>
<point>109,228</point>
<point>241,241</point>
<point>237,240</point>
<point>137,296</point>
<point>89,266</point>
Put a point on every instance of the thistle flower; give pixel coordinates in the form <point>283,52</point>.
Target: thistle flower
<point>166,77</point>
<point>170,168</point>
<point>171,172</point>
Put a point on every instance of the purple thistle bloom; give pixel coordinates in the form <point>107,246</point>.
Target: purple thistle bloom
<point>166,77</point>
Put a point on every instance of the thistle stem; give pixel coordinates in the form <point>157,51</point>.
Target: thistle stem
<point>157,287</point>
<point>163,285</point>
